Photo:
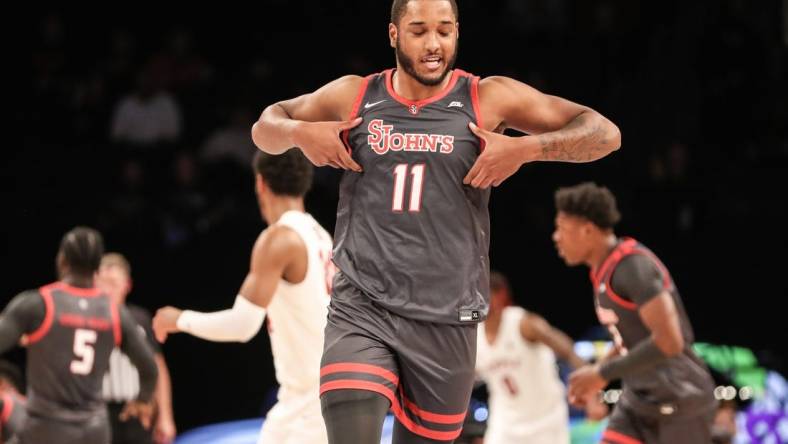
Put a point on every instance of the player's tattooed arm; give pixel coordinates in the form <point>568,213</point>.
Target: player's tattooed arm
<point>584,139</point>
<point>563,130</point>
<point>559,130</point>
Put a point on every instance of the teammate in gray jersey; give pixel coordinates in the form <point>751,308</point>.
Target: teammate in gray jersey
<point>423,144</point>
<point>667,390</point>
<point>70,329</point>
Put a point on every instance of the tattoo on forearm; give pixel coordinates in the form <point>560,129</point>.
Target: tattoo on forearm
<point>578,141</point>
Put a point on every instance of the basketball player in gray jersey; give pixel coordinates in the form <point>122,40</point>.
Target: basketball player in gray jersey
<point>70,329</point>
<point>421,145</point>
<point>667,393</point>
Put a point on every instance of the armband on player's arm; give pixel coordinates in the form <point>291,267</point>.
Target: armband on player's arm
<point>643,356</point>
<point>238,324</point>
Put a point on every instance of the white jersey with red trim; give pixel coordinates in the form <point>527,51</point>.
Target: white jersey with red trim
<point>297,313</point>
<point>527,398</point>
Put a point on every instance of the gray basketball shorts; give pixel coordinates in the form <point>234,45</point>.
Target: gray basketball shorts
<point>426,370</point>
<point>626,427</point>
<point>45,430</point>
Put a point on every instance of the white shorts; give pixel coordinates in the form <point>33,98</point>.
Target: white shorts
<point>294,420</point>
<point>551,429</point>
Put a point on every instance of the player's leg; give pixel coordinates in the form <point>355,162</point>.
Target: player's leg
<point>354,416</point>
<point>358,375</point>
<point>436,379</point>
<point>295,419</point>
<point>309,425</point>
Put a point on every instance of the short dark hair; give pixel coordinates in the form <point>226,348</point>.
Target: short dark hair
<point>589,201</point>
<point>288,174</point>
<point>82,249</point>
<point>398,10</point>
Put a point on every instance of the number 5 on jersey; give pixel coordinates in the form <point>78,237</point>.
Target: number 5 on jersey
<point>400,176</point>
<point>83,349</point>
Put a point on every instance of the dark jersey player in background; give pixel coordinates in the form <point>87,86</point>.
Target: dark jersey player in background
<point>13,405</point>
<point>13,413</point>
<point>422,146</point>
<point>70,329</point>
<point>667,393</point>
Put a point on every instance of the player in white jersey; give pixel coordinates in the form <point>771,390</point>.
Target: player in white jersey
<point>289,279</point>
<point>516,356</point>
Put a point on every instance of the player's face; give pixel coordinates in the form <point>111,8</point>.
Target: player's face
<point>115,282</point>
<point>426,40</point>
<point>570,238</point>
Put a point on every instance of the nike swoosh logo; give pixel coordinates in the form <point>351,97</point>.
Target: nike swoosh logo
<point>370,105</point>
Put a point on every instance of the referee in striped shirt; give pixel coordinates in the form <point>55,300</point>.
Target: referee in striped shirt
<point>121,383</point>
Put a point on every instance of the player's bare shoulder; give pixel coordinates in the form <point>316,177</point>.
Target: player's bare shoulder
<point>339,95</point>
<point>277,242</point>
<point>499,96</point>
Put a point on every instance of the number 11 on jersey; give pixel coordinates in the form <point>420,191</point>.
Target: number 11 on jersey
<point>400,176</point>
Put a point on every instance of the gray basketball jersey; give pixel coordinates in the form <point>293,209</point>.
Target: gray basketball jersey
<point>682,386</point>
<point>409,233</point>
<point>69,353</point>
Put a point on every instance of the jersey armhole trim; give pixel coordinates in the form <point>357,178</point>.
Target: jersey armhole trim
<point>117,332</point>
<point>46,324</point>
<point>362,90</point>
<point>620,300</point>
<point>624,302</point>
<point>477,108</point>
<point>612,260</point>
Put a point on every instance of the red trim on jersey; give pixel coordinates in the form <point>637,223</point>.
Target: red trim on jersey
<point>477,108</point>
<point>116,330</point>
<point>8,407</point>
<point>628,248</point>
<point>43,329</point>
<point>455,75</point>
<point>354,111</point>
<point>620,300</point>
<point>437,418</point>
<point>619,438</point>
<point>396,408</point>
<point>667,280</point>
<point>77,291</point>
<point>352,367</point>
<point>613,257</point>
